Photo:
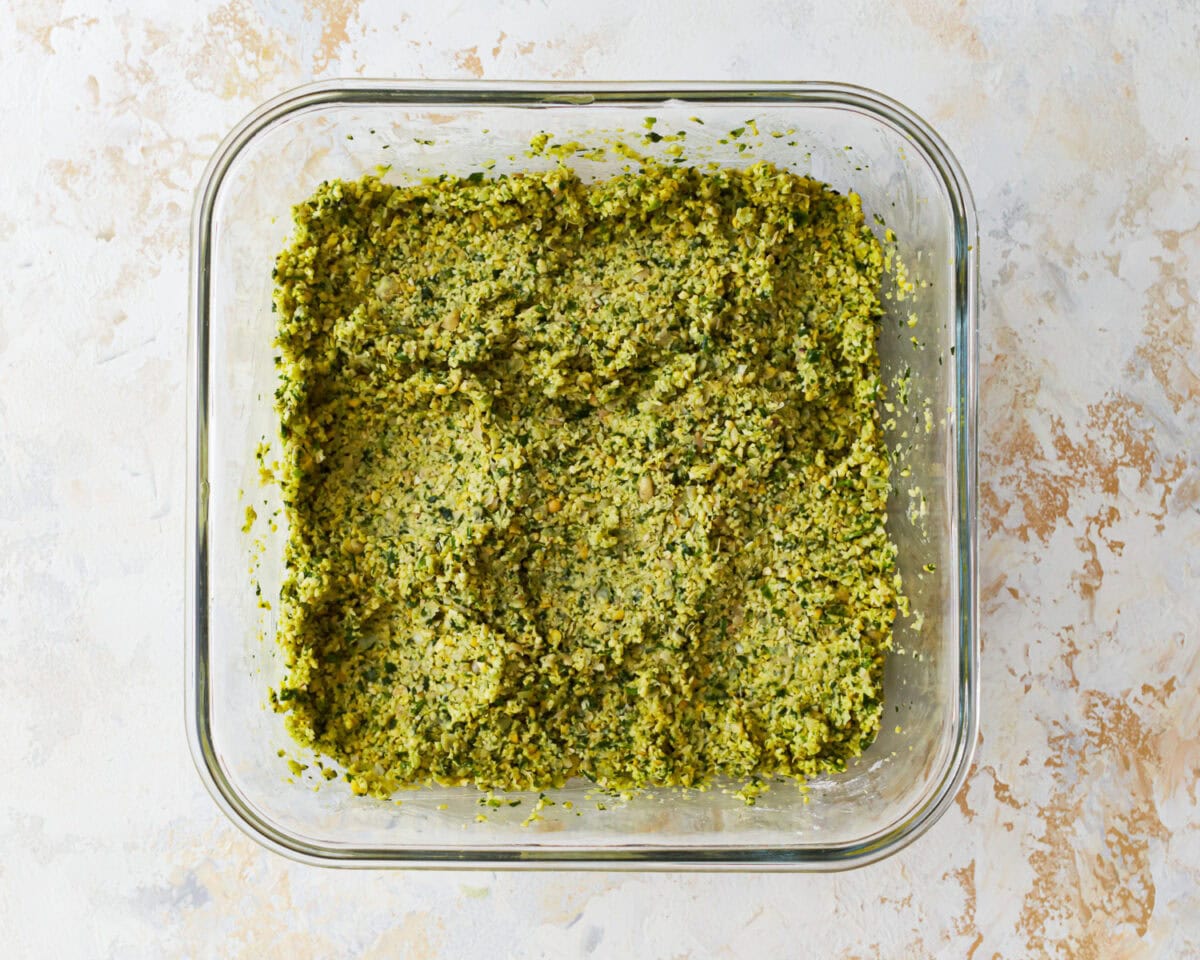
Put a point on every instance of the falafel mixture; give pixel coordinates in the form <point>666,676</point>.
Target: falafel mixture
<point>583,479</point>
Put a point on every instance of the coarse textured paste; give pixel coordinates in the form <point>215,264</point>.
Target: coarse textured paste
<point>583,479</point>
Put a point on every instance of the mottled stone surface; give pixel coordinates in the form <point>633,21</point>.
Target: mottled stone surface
<point>1076,835</point>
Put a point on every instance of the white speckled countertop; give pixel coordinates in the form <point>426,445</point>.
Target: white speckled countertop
<point>1077,832</point>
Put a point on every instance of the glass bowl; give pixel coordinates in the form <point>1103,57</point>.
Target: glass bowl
<point>848,137</point>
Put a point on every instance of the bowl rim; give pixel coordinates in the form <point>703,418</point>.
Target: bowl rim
<point>531,94</point>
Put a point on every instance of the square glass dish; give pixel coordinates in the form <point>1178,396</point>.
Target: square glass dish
<point>851,138</point>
